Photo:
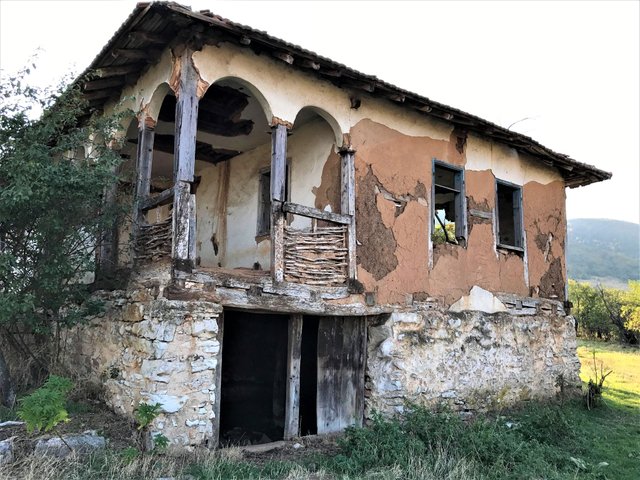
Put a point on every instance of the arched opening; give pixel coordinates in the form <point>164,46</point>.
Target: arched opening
<point>233,155</point>
<point>314,164</point>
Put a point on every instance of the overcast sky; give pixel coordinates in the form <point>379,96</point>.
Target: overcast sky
<point>571,69</point>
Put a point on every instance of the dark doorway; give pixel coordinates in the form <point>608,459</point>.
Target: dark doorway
<point>309,376</point>
<point>253,384</point>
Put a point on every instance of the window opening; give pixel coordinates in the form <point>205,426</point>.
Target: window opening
<point>509,215</point>
<point>449,217</point>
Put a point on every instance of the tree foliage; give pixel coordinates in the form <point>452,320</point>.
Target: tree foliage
<point>54,171</point>
<point>606,313</point>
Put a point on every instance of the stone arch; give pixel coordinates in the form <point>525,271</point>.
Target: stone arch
<point>327,117</point>
<point>152,108</point>
<point>251,89</point>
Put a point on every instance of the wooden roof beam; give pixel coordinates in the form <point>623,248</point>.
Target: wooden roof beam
<point>104,83</point>
<point>100,94</point>
<point>148,55</point>
<point>284,56</point>
<point>116,70</point>
<point>148,37</point>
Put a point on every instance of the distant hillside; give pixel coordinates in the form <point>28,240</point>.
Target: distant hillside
<point>601,250</point>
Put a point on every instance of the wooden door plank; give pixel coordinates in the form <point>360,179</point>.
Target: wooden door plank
<point>292,412</point>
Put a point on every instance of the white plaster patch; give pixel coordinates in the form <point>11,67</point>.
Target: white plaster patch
<point>168,403</point>
<point>479,300</point>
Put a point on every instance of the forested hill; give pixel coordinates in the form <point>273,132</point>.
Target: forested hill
<point>601,250</point>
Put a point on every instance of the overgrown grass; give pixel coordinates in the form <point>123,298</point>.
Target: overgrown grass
<point>542,442</point>
<point>623,385</point>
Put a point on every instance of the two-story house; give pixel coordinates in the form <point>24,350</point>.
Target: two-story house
<point>310,243</point>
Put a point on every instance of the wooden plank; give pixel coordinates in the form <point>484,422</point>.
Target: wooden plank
<point>341,354</point>
<point>163,198</point>
<point>292,415</point>
<point>215,440</point>
<point>100,94</point>
<point>348,206</point>
<point>278,162</point>
<point>147,55</point>
<point>328,375</point>
<point>116,70</point>
<point>186,125</point>
<point>360,357</point>
<point>103,83</point>
<point>144,159</point>
<point>186,121</point>
<point>311,212</point>
<point>192,229</point>
<point>148,37</point>
<point>181,227</point>
<point>278,178</point>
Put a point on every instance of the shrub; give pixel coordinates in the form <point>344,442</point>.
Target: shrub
<point>45,408</point>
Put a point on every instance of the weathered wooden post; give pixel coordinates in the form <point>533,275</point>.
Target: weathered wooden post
<point>348,204</point>
<point>183,250</point>
<point>146,135</point>
<point>278,179</point>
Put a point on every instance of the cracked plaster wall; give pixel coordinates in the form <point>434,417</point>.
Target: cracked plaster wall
<point>393,177</point>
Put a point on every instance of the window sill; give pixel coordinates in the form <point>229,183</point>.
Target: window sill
<point>263,236</point>
<point>510,248</point>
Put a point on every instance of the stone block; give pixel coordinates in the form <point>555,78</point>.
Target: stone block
<point>133,312</point>
<point>6,451</point>
<point>202,364</point>
<point>85,443</point>
<point>204,328</point>
<point>154,330</point>
<point>209,346</point>
<point>168,403</point>
<point>160,370</point>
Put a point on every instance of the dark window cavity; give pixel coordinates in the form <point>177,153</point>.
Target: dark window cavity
<point>509,215</point>
<point>264,203</point>
<point>264,200</point>
<point>449,205</point>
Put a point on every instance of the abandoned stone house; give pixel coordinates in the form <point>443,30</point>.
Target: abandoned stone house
<point>310,243</point>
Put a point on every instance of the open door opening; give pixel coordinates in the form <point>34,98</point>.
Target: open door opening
<point>309,376</point>
<point>254,378</point>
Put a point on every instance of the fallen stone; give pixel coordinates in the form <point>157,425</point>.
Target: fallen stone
<point>84,443</point>
<point>6,451</point>
<point>263,447</point>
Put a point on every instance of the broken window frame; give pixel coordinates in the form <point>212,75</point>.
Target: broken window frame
<point>517,216</point>
<point>460,203</point>
<point>263,224</point>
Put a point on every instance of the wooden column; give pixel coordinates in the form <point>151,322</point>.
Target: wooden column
<point>183,251</point>
<point>278,178</point>
<point>348,204</point>
<point>292,409</point>
<point>144,157</point>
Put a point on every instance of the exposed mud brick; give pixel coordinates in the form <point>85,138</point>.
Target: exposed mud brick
<point>376,254</point>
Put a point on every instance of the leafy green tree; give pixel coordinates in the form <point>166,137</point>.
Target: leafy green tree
<point>52,184</point>
<point>590,312</point>
<point>631,308</point>
<point>603,313</point>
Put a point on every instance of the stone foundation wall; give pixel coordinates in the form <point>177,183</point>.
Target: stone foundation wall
<point>146,348</point>
<point>470,360</point>
<point>485,352</point>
